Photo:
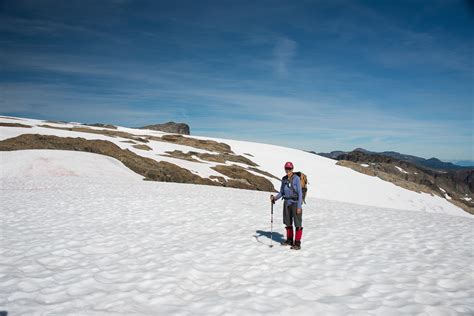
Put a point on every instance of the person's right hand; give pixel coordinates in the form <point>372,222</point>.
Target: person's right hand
<point>272,198</point>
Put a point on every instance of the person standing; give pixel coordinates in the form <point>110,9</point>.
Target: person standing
<point>292,194</point>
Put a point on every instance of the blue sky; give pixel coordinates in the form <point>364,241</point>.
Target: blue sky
<point>315,75</point>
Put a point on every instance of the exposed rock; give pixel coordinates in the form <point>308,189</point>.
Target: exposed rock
<point>142,147</point>
<point>218,178</point>
<point>205,144</point>
<point>456,184</point>
<point>14,125</point>
<point>209,145</point>
<point>241,178</point>
<point>379,171</point>
<point>111,133</point>
<point>170,127</point>
<point>222,158</point>
<point>110,126</point>
<point>432,163</point>
<point>178,154</point>
<point>268,174</point>
<point>56,122</point>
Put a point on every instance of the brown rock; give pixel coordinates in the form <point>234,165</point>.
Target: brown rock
<point>170,127</point>
<point>14,125</point>
<point>221,158</point>
<point>110,126</point>
<point>142,147</point>
<point>243,179</point>
<point>209,145</point>
<point>111,133</point>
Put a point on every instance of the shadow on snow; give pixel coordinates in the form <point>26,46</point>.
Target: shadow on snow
<point>277,237</point>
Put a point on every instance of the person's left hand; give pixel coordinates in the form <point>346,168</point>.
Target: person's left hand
<point>298,211</point>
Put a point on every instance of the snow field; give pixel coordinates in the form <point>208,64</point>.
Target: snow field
<point>76,245</point>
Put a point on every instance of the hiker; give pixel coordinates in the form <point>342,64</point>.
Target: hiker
<point>292,194</point>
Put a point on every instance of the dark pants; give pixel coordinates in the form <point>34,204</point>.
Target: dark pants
<point>290,216</point>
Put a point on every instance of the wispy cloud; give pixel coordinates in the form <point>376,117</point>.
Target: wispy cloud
<point>290,121</point>
<point>347,74</point>
<point>283,54</point>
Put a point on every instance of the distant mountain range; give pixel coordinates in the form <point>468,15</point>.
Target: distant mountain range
<point>464,163</point>
<point>432,163</point>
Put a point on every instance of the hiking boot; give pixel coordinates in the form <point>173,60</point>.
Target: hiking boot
<point>288,242</point>
<point>296,246</point>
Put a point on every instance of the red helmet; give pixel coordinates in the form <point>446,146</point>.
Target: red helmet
<point>289,165</point>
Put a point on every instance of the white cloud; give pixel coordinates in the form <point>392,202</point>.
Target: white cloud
<point>283,54</point>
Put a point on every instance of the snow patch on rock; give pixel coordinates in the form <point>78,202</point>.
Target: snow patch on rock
<point>401,170</point>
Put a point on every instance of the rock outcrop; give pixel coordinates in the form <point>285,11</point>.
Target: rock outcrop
<point>170,127</point>
<point>457,186</point>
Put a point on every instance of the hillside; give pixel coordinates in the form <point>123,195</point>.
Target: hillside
<point>457,186</point>
<point>218,162</point>
<point>431,163</point>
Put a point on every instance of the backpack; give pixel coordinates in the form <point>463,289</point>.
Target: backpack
<point>304,184</point>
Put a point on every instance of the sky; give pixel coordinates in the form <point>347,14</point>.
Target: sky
<point>313,75</point>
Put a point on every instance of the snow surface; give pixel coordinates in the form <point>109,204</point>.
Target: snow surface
<point>326,179</point>
<point>364,165</point>
<point>72,244</point>
<point>330,181</point>
<point>401,170</point>
<point>39,163</point>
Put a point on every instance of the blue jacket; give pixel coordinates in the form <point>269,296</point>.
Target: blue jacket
<point>291,190</point>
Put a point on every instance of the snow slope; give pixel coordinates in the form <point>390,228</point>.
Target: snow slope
<point>26,164</point>
<point>73,244</point>
<point>327,180</point>
<point>330,181</point>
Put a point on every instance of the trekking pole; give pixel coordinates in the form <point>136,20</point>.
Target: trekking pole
<point>271,227</point>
